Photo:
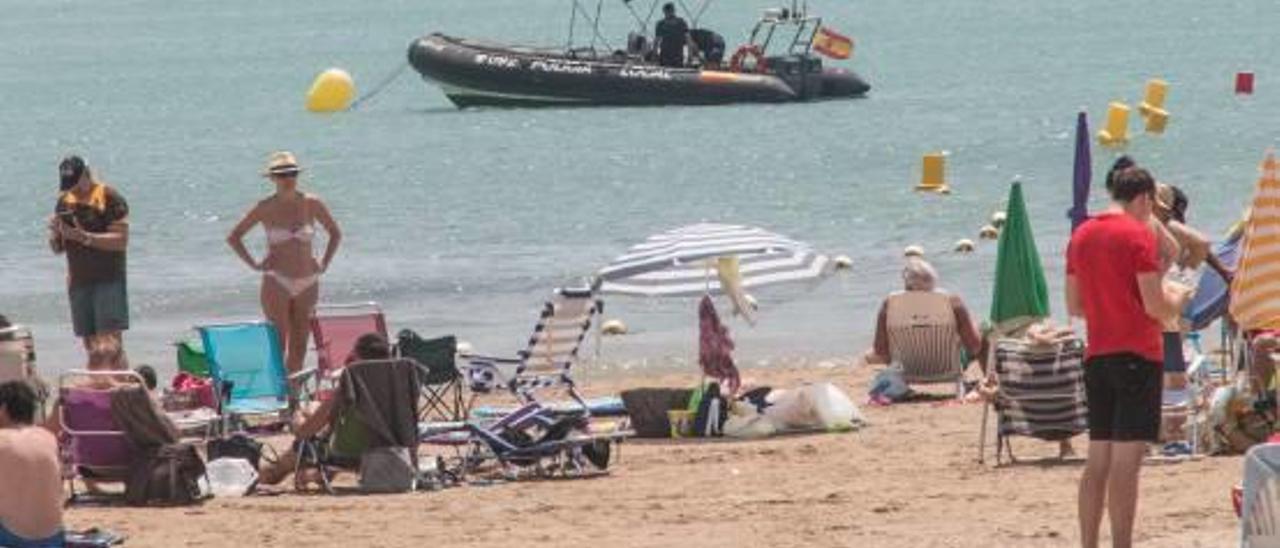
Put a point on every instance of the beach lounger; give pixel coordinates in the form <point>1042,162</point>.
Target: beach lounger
<point>924,339</point>
<point>377,405</point>
<point>548,358</point>
<point>335,329</point>
<point>441,381</point>
<point>1260,503</point>
<point>246,357</point>
<point>1040,393</point>
<point>534,439</point>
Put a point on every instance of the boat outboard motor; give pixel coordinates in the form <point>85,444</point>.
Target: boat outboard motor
<point>710,43</point>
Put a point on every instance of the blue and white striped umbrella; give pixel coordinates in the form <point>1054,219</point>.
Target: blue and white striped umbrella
<point>679,263</point>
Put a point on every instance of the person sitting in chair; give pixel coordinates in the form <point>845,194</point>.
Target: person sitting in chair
<point>919,276</point>
<point>312,420</point>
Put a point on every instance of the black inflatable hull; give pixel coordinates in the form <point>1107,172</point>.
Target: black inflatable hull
<point>474,74</point>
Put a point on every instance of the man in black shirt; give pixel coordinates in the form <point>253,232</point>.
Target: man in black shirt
<point>672,35</point>
<point>91,226</point>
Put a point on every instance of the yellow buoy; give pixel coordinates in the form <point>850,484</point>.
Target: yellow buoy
<point>332,91</point>
<point>1117,131</point>
<point>1153,99</point>
<point>933,176</point>
<point>1156,120</point>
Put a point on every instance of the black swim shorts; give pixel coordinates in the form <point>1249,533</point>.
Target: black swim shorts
<point>1124,397</point>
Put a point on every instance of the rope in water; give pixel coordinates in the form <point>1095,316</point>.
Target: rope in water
<point>380,87</point>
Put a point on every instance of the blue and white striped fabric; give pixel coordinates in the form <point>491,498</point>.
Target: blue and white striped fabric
<point>678,262</point>
<point>548,359</point>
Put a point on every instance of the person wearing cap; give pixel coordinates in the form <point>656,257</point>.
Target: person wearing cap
<point>90,225</point>
<point>290,271</point>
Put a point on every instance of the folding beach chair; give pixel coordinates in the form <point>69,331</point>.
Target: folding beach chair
<point>548,358</point>
<point>924,339</point>
<point>191,360</point>
<point>335,329</point>
<point>97,448</point>
<point>376,405</point>
<point>441,381</point>
<point>1041,393</point>
<point>247,368</point>
<point>1260,504</point>
<point>532,438</point>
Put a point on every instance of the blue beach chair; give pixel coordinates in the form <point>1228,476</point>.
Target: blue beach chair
<point>247,357</point>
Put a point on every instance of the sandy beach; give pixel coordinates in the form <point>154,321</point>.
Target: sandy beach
<point>909,479</point>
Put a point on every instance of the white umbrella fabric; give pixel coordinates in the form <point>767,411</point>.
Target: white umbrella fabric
<point>681,262</point>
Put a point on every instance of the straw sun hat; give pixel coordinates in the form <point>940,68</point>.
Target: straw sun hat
<point>281,163</point>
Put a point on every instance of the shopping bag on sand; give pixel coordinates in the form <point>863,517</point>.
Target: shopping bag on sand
<point>819,406</point>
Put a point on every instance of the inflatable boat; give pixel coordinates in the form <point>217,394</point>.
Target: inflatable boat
<point>476,73</point>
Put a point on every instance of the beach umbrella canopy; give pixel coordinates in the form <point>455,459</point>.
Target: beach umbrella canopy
<point>1081,174</point>
<point>1020,292</point>
<point>682,262</point>
<point>1255,291</point>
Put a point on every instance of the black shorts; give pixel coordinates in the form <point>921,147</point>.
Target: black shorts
<point>1123,391</point>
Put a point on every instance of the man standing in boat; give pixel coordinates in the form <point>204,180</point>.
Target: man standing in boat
<point>671,35</point>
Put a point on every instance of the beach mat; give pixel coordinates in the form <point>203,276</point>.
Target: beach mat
<point>609,406</point>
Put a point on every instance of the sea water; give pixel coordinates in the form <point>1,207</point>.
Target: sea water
<point>463,221</point>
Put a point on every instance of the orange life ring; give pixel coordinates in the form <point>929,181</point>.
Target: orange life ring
<point>735,62</point>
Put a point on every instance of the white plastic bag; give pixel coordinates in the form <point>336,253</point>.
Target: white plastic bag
<point>834,410</point>
<point>230,477</point>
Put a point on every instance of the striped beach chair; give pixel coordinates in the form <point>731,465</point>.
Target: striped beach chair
<point>1260,500</point>
<point>1041,393</point>
<point>924,339</point>
<point>548,358</point>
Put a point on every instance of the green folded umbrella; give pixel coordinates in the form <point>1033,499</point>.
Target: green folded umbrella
<point>1021,294</point>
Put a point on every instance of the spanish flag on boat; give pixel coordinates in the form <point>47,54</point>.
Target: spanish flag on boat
<point>832,44</point>
<point>1255,291</point>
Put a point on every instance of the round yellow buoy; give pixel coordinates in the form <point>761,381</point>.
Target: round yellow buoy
<point>998,218</point>
<point>989,233</point>
<point>613,327</point>
<point>913,251</point>
<point>842,262</point>
<point>964,246</point>
<point>332,91</point>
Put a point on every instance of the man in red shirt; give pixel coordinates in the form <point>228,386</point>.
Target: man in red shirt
<point>1114,282</point>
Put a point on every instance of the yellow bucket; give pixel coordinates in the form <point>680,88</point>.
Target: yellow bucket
<point>681,422</point>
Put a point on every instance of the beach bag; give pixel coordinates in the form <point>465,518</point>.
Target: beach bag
<point>647,408</point>
<point>387,470</point>
<point>889,383</point>
<point>237,446</point>
<point>169,476</point>
<point>708,421</point>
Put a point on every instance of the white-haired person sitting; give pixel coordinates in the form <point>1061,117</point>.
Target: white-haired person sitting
<point>923,329</point>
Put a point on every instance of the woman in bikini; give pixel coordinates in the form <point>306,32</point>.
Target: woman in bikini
<point>290,271</point>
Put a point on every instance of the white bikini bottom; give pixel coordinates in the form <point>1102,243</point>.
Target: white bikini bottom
<point>293,286</point>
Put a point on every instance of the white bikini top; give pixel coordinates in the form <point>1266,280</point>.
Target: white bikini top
<point>304,233</point>
<point>276,236</point>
